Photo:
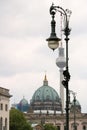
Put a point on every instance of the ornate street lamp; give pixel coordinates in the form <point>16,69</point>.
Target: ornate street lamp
<point>53,42</point>
<point>74,110</point>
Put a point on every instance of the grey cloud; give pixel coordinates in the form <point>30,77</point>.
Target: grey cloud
<point>21,57</point>
<point>19,19</point>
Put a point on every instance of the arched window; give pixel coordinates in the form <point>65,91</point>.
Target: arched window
<point>5,123</point>
<point>84,127</point>
<point>1,123</point>
<point>64,127</point>
<point>58,127</point>
<point>6,107</point>
<point>75,126</point>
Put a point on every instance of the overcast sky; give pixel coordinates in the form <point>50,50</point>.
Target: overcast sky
<point>25,56</point>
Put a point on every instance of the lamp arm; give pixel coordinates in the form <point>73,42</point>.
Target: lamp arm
<point>66,13</point>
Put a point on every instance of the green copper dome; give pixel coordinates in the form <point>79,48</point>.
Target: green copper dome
<point>23,101</point>
<point>45,97</point>
<point>23,105</point>
<point>75,105</point>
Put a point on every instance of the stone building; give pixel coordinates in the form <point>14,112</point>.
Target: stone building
<point>59,120</point>
<point>4,108</point>
<point>46,107</point>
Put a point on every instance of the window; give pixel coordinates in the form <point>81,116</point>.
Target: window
<point>84,127</point>
<point>5,123</point>
<point>64,127</point>
<point>1,106</point>
<point>1,120</point>
<point>75,127</point>
<point>6,107</point>
<point>58,127</point>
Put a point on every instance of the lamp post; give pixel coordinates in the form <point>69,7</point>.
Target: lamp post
<point>74,110</point>
<point>53,43</point>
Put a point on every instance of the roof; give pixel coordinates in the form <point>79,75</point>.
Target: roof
<point>45,97</point>
<point>23,101</point>
<point>76,103</point>
<point>45,92</point>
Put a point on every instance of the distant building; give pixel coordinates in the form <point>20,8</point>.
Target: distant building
<point>4,108</point>
<point>23,105</point>
<point>45,108</point>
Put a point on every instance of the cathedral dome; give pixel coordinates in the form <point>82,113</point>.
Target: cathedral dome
<point>45,98</point>
<point>75,105</point>
<point>23,101</point>
<point>23,105</point>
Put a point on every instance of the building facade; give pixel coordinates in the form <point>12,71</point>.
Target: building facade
<point>59,120</point>
<point>4,108</point>
<point>46,108</point>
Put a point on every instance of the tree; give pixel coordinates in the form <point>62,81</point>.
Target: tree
<point>18,121</point>
<point>49,127</point>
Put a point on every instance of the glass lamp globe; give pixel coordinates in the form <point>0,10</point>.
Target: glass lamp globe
<point>53,42</point>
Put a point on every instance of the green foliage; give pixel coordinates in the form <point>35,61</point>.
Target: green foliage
<point>18,121</point>
<point>49,127</point>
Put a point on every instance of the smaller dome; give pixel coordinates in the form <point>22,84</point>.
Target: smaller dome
<point>75,105</point>
<point>23,105</point>
<point>23,101</point>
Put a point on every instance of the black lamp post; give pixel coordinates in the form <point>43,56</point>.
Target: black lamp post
<point>74,107</point>
<point>53,43</point>
<point>74,112</point>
